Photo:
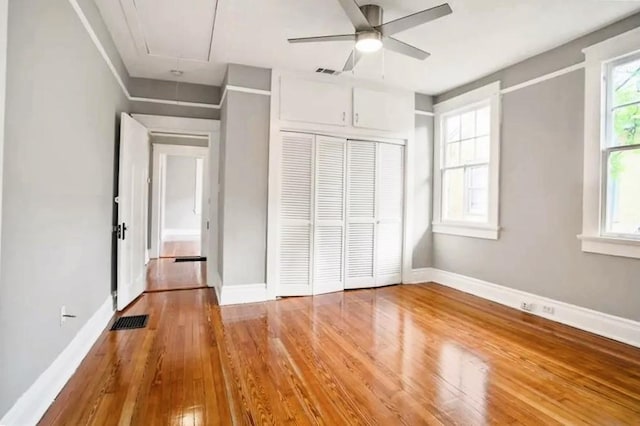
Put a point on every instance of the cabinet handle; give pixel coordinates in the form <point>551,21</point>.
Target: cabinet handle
<point>357,117</point>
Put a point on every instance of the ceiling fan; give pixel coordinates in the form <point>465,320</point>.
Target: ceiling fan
<point>371,34</point>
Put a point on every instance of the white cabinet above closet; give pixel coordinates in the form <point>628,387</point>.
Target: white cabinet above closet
<point>314,102</point>
<point>340,105</point>
<point>382,110</point>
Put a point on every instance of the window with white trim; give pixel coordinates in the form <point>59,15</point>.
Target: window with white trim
<point>466,153</point>
<point>621,149</point>
<point>611,188</point>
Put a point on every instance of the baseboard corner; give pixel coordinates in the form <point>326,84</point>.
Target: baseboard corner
<point>419,276</point>
<point>242,293</point>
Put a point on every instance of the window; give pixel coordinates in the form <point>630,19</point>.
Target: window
<point>466,181</point>
<point>611,205</point>
<point>621,212</point>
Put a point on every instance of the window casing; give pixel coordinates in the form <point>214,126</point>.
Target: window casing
<point>466,166</point>
<point>611,184</point>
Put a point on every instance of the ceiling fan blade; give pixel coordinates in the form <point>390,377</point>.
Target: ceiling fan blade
<point>341,37</point>
<point>397,46</point>
<point>414,20</point>
<point>355,15</point>
<point>353,59</point>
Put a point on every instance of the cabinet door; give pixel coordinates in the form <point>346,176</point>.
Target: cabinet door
<point>374,109</point>
<point>361,214</point>
<point>328,253</point>
<point>314,102</point>
<point>296,209</point>
<point>390,201</point>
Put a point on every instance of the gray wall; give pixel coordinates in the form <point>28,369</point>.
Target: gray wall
<point>187,92</point>
<point>422,184</point>
<point>180,194</point>
<point>62,110</point>
<point>541,202</point>
<point>244,160</point>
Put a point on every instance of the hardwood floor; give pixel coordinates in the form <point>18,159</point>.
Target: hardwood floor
<point>167,274</point>
<point>422,354</point>
<point>180,248</point>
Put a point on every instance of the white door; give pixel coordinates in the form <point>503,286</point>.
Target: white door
<point>361,214</point>
<point>328,230</point>
<point>390,201</point>
<point>294,250</point>
<point>132,209</point>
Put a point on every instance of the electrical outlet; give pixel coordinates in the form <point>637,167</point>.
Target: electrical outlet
<point>548,310</point>
<point>526,306</point>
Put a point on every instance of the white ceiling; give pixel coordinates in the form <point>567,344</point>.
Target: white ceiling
<point>481,36</point>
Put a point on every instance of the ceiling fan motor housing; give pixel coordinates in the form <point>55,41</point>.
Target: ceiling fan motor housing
<point>373,13</point>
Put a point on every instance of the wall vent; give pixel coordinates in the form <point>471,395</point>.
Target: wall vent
<point>327,71</point>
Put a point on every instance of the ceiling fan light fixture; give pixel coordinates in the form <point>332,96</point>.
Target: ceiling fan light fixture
<point>368,42</point>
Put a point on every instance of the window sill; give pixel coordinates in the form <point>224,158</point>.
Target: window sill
<point>486,232</point>
<point>611,246</point>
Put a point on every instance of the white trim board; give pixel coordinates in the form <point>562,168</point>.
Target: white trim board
<point>32,405</point>
<point>606,325</point>
<point>243,293</point>
<point>544,77</point>
<point>96,40</point>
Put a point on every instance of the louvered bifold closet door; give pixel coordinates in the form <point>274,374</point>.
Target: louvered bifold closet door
<point>295,214</point>
<point>328,253</point>
<point>389,232</point>
<point>361,214</point>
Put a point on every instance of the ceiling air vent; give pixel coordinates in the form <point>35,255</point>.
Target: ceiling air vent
<point>327,71</point>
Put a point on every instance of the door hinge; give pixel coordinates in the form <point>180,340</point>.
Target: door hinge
<point>207,225</point>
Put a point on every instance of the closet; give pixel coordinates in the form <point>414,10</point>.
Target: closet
<point>340,214</point>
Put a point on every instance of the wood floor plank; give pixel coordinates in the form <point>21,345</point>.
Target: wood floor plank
<point>421,354</point>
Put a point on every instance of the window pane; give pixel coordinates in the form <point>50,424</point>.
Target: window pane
<point>482,149</point>
<point>478,202</point>
<point>483,121</point>
<point>626,126</point>
<point>452,156</point>
<point>453,194</point>
<point>623,192</point>
<point>467,151</point>
<point>453,128</point>
<point>478,177</point>
<point>625,80</point>
<point>468,124</point>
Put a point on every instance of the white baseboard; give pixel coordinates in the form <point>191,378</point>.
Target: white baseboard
<point>32,405</point>
<point>606,325</point>
<point>244,293</point>
<point>170,234</point>
<point>421,275</point>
